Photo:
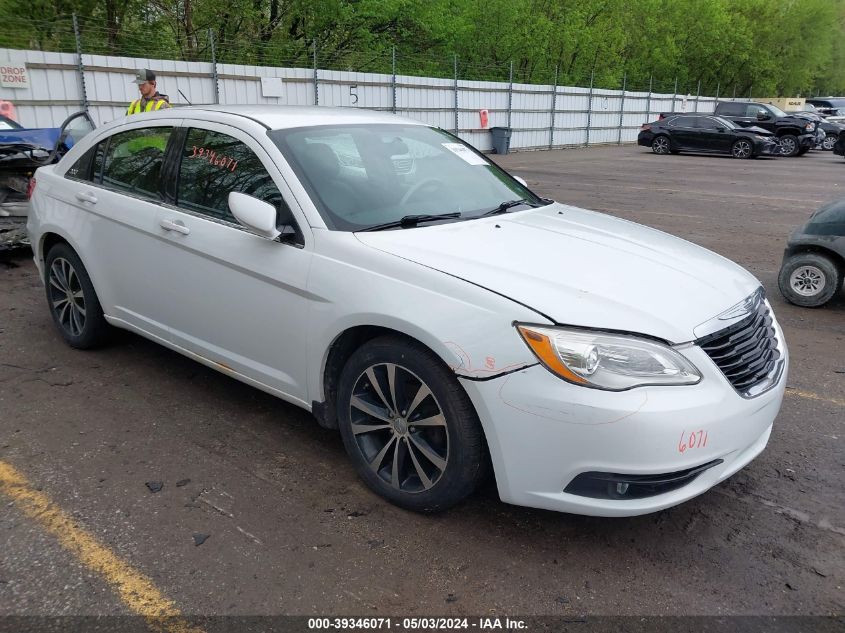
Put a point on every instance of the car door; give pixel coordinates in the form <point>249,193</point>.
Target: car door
<point>713,135</point>
<point>759,116</point>
<point>236,300</point>
<point>685,133</point>
<point>118,182</point>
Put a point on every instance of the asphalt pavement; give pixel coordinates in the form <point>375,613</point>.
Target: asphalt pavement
<point>285,527</point>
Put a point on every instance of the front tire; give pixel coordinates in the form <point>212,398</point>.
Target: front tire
<point>809,279</point>
<point>73,302</point>
<point>829,141</point>
<point>789,145</point>
<point>408,426</point>
<point>742,149</point>
<point>660,145</point>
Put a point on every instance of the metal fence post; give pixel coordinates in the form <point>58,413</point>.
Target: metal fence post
<point>697,95</point>
<point>590,107</point>
<point>80,69</point>
<point>393,81</point>
<point>734,97</point>
<point>648,100</point>
<point>510,95</point>
<point>554,107</point>
<point>675,94</point>
<point>718,85</point>
<point>622,107</point>
<point>316,79</point>
<point>750,88</point>
<point>456,92</point>
<point>214,75</point>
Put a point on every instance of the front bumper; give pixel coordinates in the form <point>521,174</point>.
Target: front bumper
<point>766,147</point>
<point>808,141</point>
<point>543,432</point>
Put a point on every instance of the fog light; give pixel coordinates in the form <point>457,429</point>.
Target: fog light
<point>621,488</point>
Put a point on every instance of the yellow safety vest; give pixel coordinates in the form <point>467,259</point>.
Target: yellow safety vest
<point>152,104</point>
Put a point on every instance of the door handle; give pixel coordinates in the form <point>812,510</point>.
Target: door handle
<point>174,225</point>
<point>86,196</point>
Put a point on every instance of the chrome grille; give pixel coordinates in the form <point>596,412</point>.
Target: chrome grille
<point>746,351</point>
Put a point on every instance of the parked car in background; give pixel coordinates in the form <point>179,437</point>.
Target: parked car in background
<point>795,134</point>
<point>23,150</point>
<point>829,106</point>
<point>8,124</point>
<point>839,146</point>
<point>826,131</point>
<point>814,260</point>
<point>440,317</point>
<point>705,133</point>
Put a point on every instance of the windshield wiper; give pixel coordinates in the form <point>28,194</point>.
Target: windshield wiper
<point>412,220</point>
<point>502,208</point>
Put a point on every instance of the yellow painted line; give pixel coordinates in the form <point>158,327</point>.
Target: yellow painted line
<point>135,589</point>
<point>809,395</point>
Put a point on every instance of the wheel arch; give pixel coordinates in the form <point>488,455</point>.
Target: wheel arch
<point>815,249</point>
<point>341,348</point>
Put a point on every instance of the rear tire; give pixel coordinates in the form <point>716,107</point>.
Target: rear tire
<point>408,426</point>
<point>809,279</point>
<point>829,141</point>
<point>661,145</point>
<point>72,300</point>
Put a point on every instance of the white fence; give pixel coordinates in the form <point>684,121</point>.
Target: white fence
<point>541,117</point>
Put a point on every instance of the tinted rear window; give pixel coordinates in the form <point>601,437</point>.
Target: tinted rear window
<point>731,109</point>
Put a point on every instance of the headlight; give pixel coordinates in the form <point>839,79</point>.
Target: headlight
<point>613,362</point>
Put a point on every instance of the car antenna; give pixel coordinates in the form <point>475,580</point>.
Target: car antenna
<point>184,97</point>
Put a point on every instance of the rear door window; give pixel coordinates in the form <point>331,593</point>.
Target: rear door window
<point>215,164</point>
<point>683,121</point>
<point>730,109</point>
<point>133,161</point>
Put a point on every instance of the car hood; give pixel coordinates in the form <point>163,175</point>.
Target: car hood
<point>579,267</point>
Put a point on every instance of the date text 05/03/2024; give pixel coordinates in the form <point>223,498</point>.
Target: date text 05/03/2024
<point>418,623</point>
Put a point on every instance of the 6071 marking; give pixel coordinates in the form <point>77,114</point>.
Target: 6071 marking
<point>695,439</point>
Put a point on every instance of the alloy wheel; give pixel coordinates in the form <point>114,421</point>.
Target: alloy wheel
<point>787,146</point>
<point>829,142</point>
<point>399,427</point>
<point>741,149</point>
<point>660,145</point>
<point>67,299</point>
<point>807,281</point>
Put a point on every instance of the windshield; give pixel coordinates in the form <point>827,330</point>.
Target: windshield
<point>362,176</point>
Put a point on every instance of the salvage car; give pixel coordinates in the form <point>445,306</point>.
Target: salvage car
<point>23,150</point>
<point>814,260</point>
<point>796,135</point>
<point>444,318</point>
<point>707,134</point>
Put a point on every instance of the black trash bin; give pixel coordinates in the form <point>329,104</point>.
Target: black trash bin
<point>501,139</point>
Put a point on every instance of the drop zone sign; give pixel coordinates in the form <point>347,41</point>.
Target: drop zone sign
<point>13,76</point>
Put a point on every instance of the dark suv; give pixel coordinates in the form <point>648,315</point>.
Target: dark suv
<point>829,106</point>
<point>795,134</point>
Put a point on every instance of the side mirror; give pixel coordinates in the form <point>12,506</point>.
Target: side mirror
<point>521,181</point>
<point>256,215</point>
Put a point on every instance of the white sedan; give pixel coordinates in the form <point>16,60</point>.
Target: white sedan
<point>387,277</point>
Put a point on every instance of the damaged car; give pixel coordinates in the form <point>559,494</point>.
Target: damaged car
<point>447,320</point>
<point>22,151</point>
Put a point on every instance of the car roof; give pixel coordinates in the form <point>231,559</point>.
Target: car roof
<point>276,117</point>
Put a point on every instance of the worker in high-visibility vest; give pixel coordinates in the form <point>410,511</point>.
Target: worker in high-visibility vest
<point>151,99</point>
